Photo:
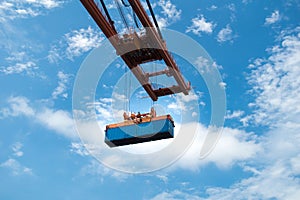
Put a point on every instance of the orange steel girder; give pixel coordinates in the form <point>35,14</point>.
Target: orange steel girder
<point>156,49</point>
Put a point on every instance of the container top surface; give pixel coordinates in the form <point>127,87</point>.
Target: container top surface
<point>144,120</point>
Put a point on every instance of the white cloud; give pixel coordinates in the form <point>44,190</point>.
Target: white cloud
<point>169,10</point>
<point>162,22</point>
<point>275,169</point>
<point>269,185</point>
<point>225,34</point>
<point>60,90</point>
<point>17,56</point>
<point>295,164</point>
<point>189,98</point>
<point>104,109</point>
<point>17,106</point>
<point>20,105</point>
<point>203,65</point>
<point>117,96</point>
<point>81,41</point>
<point>275,17</point>
<point>194,114</point>
<point>184,103</point>
<point>26,12</point>
<point>233,146</point>
<point>15,167</point>
<point>59,121</point>
<point>222,85</point>
<point>111,100</point>
<point>212,7</point>
<point>109,110</point>
<point>199,25</point>
<point>28,68</point>
<point>95,168</point>
<point>12,9</point>
<point>169,13</point>
<point>75,43</point>
<point>175,194</point>
<point>17,149</point>
<point>231,7</point>
<point>276,83</point>
<point>48,4</point>
<point>18,50</point>
<point>276,177</point>
<point>173,105</point>
<point>234,114</point>
<point>273,182</point>
<point>79,149</point>
<point>274,157</point>
<point>13,164</point>
<point>56,53</point>
<point>236,141</point>
<point>164,178</point>
<point>246,120</point>
<point>106,86</point>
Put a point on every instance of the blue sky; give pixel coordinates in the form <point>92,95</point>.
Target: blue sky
<point>255,46</point>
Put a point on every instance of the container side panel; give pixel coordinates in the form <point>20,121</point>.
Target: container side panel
<point>137,133</point>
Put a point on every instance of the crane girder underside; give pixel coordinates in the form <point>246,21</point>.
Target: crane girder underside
<point>136,49</point>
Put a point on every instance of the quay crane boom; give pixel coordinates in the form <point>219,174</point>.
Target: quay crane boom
<point>137,49</point>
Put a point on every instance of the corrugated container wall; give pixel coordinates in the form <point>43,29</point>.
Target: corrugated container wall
<point>141,132</point>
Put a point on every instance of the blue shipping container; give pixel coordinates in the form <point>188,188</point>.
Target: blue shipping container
<point>156,129</point>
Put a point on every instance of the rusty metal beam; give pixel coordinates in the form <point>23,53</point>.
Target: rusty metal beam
<point>167,91</point>
<point>99,18</point>
<point>139,74</point>
<point>165,71</point>
<point>152,41</point>
<point>145,20</point>
<point>111,33</point>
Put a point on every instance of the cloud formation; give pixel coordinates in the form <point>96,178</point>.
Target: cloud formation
<point>275,17</point>
<point>28,68</point>
<point>170,13</point>
<point>59,121</point>
<point>12,163</point>
<point>276,84</point>
<point>15,167</point>
<point>225,34</point>
<point>273,159</point>
<point>13,9</point>
<point>60,90</point>
<point>199,25</point>
<point>75,43</point>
